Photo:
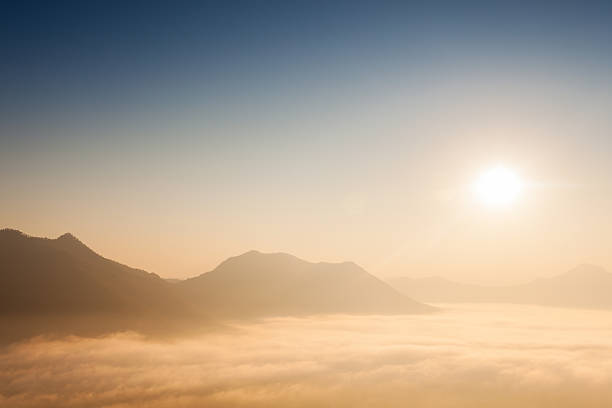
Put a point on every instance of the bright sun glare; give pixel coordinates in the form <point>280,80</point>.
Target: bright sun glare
<point>498,186</point>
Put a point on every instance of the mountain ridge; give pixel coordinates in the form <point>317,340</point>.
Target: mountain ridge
<point>55,282</point>
<point>586,286</point>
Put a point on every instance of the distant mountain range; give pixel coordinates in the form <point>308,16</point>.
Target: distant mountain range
<point>61,285</point>
<point>585,286</point>
<point>44,282</point>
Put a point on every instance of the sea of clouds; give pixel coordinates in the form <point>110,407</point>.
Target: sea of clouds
<point>466,356</point>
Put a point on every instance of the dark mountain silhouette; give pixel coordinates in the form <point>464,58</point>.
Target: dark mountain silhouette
<point>257,284</point>
<point>60,285</point>
<point>62,275</point>
<point>585,286</point>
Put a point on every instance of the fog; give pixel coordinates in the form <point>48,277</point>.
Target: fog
<point>482,355</point>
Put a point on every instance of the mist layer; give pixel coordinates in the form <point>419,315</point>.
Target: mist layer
<point>468,355</point>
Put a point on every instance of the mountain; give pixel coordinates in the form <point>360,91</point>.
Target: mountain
<point>258,284</point>
<point>62,285</point>
<point>585,286</point>
<point>48,276</point>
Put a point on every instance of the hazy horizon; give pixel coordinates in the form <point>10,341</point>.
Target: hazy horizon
<point>303,204</point>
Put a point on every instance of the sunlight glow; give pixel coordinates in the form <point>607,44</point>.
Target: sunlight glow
<point>498,186</point>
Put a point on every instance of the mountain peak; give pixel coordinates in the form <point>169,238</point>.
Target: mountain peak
<point>69,242</point>
<point>252,252</point>
<point>68,237</point>
<point>587,270</point>
<point>259,256</point>
<point>589,267</point>
<point>255,252</point>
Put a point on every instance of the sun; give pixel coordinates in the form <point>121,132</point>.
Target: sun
<point>497,187</point>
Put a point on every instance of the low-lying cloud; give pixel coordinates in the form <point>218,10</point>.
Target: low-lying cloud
<point>467,356</point>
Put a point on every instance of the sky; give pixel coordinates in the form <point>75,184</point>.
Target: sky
<point>172,135</point>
